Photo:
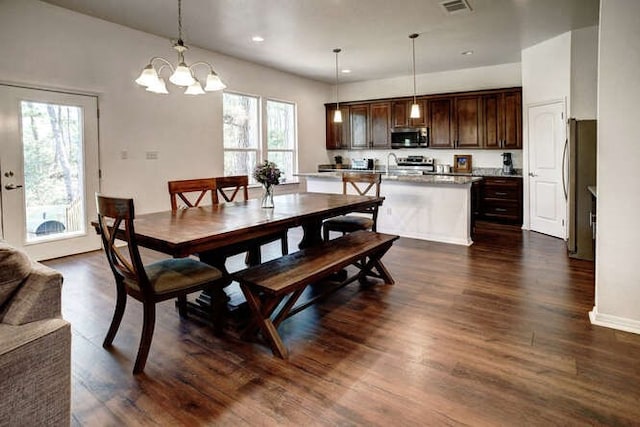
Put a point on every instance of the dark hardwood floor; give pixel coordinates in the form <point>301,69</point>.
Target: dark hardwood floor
<point>493,334</point>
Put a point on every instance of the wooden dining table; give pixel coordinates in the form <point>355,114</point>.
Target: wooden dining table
<point>212,231</point>
<point>217,231</point>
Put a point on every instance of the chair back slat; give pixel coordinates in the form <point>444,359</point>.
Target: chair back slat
<point>187,189</point>
<point>228,187</point>
<point>115,221</point>
<point>362,183</point>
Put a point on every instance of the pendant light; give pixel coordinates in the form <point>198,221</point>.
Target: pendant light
<point>182,74</point>
<point>415,108</point>
<point>337,115</point>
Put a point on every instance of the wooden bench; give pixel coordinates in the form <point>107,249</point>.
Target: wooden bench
<point>272,288</point>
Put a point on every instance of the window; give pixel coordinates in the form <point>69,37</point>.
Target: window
<point>244,146</point>
<point>241,133</point>
<point>281,136</point>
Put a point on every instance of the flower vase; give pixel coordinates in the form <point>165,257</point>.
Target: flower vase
<point>267,197</point>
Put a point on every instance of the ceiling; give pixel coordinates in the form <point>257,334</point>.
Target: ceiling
<point>300,35</point>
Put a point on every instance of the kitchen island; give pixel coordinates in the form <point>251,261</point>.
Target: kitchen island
<point>428,207</point>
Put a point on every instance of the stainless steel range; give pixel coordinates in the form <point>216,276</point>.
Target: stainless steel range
<point>426,163</point>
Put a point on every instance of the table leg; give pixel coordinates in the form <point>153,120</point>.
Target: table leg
<point>311,234</point>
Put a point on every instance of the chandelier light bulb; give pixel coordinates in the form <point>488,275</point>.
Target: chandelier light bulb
<point>415,111</point>
<point>194,89</point>
<point>148,76</point>
<point>182,76</point>
<point>159,87</point>
<point>337,116</point>
<point>214,83</point>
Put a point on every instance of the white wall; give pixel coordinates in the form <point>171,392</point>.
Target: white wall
<point>492,77</point>
<point>584,73</point>
<point>44,45</point>
<point>618,233</point>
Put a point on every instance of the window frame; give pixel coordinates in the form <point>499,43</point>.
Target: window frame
<point>262,151</point>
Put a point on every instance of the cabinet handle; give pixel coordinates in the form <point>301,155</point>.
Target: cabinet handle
<point>500,193</point>
<point>500,210</point>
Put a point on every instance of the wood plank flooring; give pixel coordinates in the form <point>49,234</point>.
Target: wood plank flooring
<point>493,334</point>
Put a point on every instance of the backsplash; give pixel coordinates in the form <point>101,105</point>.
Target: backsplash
<point>479,158</point>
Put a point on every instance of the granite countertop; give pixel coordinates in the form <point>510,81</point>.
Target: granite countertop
<point>404,177</point>
<point>409,170</point>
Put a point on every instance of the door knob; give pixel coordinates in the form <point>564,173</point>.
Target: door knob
<point>532,174</point>
<point>12,187</point>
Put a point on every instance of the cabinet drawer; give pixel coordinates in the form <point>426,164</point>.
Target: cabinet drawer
<point>501,192</point>
<point>501,209</point>
<point>502,182</point>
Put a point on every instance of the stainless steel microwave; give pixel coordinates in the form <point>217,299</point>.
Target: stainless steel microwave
<point>409,137</point>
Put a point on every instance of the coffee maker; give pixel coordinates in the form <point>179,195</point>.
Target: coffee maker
<point>507,164</point>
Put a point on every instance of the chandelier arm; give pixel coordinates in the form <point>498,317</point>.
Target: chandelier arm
<point>202,63</point>
<point>164,61</point>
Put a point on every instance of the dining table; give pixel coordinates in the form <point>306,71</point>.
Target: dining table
<point>215,232</point>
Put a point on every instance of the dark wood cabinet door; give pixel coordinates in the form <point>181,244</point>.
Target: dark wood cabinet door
<point>467,122</point>
<point>512,120</point>
<point>359,122</point>
<point>380,122</point>
<point>493,116</point>
<point>337,133</point>
<point>441,122</point>
<point>400,115</point>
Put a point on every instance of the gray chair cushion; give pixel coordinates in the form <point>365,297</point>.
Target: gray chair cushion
<point>172,274</point>
<point>15,266</point>
<point>349,223</point>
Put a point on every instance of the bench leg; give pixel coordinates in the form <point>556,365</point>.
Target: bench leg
<point>264,323</point>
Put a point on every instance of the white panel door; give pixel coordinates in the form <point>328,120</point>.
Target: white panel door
<point>48,171</point>
<point>547,135</point>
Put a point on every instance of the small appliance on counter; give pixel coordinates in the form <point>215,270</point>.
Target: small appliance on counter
<point>507,164</point>
<point>363,164</point>
<point>425,162</point>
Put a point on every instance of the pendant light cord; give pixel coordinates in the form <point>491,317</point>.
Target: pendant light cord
<point>180,20</point>
<point>413,47</point>
<point>337,51</point>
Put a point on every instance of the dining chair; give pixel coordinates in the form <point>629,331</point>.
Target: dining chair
<point>364,184</point>
<point>227,189</point>
<point>191,192</point>
<point>152,283</point>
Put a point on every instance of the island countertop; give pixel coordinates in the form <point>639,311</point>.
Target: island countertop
<point>405,177</point>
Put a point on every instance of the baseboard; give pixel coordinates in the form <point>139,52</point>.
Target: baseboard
<point>614,322</point>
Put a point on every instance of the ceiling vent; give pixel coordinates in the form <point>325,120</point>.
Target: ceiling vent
<point>455,6</point>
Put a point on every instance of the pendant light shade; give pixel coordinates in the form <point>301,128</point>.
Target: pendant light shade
<point>337,115</point>
<point>182,74</point>
<point>415,108</point>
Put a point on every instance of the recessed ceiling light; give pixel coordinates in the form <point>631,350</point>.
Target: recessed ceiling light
<point>346,71</point>
<point>467,52</point>
<point>257,39</point>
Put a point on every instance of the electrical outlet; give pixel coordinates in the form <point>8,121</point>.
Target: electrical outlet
<point>152,155</point>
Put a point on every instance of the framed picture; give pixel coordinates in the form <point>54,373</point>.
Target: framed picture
<point>462,163</point>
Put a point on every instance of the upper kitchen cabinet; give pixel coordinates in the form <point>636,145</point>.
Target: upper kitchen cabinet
<point>380,124</point>
<point>467,122</point>
<point>370,125</point>
<point>337,133</point>
<point>502,119</point>
<point>402,111</point>
<point>441,122</point>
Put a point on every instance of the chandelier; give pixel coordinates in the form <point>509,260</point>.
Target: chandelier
<point>182,74</point>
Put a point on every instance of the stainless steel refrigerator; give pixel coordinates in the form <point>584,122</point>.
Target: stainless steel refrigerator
<point>580,158</point>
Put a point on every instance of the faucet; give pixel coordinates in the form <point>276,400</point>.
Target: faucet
<point>387,164</point>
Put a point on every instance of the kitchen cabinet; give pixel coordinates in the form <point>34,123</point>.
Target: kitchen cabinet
<point>402,110</point>
<point>501,199</point>
<point>467,123</point>
<point>441,122</point>
<point>380,123</point>
<point>370,125</point>
<point>502,120</point>
<point>337,133</point>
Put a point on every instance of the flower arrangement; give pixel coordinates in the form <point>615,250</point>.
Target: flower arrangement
<point>267,174</point>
